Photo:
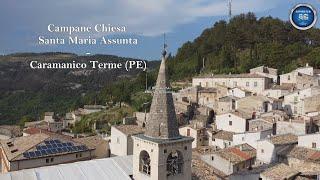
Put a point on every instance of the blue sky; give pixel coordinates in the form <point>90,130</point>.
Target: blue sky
<point>22,21</point>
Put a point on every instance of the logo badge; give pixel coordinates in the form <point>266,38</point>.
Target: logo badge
<point>303,16</point>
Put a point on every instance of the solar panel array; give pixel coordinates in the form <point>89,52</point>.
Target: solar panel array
<point>51,147</point>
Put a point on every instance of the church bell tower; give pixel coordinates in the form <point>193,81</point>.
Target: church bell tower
<point>162,153</point>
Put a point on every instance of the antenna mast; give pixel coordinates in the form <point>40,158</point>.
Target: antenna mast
<point>229,9</point>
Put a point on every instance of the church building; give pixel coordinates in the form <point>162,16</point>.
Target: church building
<point>161,153</point>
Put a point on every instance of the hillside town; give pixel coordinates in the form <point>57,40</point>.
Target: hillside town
<point>259,125</point>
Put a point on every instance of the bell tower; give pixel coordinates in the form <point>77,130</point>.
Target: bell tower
<point>162,153</point>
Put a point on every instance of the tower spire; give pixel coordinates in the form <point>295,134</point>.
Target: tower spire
<point>162,122</point>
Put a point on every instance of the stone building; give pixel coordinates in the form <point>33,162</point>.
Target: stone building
<point>291,77</point>
<point>252,82</point>
<point>162,153</point>
<point>226,104</point>
<point>266,71</point>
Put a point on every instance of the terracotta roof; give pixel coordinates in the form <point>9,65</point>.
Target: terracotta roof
<point>91,142</point>
<point>237,154</point>
<point>284,139</point>
<point>279,171</point>
<point>130,129</point>
<point>231,76</point>
<point>225,135</point>
<point>305,154</point>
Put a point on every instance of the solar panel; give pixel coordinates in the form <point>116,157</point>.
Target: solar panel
<point>43,152</point>
<point>44,147</point>
<point>57,141</point>
<point>70,144</point>
<point>54,150</point>
<point>49,151</point>
<point>32,154</point>
<point>64,149</point>
<point>26,154</point>
<point>69,148</point>
<point>64,144</point>
<point>59,145</point>
<point>37,153</point>
<point>49,146</point>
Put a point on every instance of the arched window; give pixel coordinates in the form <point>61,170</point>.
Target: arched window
<point>144,163</point>
<point>174,163</point>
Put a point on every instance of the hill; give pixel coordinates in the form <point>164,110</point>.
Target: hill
<point>247,42</point>
<point>26,92</point>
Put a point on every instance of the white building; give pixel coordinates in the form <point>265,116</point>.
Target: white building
<point>293,102</point>
<point>309,141</point>
<point>291,77</point>
<point>239,92</point>
<point>268,149</point>
<point>232,159</point>
<point>233,121</point>
<point>121,139</point>
<point>252,82</point>
<point>222,139</point>
<point>251,137</point>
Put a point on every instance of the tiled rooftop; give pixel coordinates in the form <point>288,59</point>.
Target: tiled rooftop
<point>225,135</point>
<point>237,154</point>
<point>280,171</point>
<point>305,154</point>
<point>284,139</point>
<point>231,76</point>
<point>130,129</point>
<point>91,142</point>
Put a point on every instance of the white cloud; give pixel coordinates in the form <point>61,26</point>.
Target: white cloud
<point>143,17</point>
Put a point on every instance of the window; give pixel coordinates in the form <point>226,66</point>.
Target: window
<point>314,145</point>
<point>47,160</point>
<point>80,154</point>
<point>188,132</point>
<point>289,78</point>
<point>144,163</point>
<point>230,123</point>
<point>118,140</point>
<point>51,159</point>
<point>262,150</point>
<point>174,163</point>
<point>212,158</point>
<point>242,138</point>
<point>229,143</point>
<point>214,139</point>
<point>235,84</point>
<point>255,84</point>
<point>186,148</point>
<point>247,84</point>
<point>165,151</point>
<point>76,155</point>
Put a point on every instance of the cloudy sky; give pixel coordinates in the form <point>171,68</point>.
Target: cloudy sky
<point>22,21</point>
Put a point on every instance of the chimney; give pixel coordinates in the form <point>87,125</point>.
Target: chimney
<point>254,115</point>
